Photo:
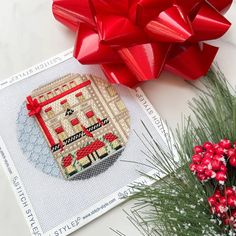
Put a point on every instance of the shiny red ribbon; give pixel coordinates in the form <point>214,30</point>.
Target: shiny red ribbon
<point>33,106</point>
<point>135,40</point>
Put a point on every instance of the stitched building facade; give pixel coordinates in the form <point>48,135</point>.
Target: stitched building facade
<point>83,119</point>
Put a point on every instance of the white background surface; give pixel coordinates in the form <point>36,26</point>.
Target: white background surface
<point>28,35</point>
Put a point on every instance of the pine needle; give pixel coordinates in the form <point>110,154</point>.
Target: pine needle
<point>177,205</point>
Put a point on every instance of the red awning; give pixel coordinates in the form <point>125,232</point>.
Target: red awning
<point>79,94</point>
<point>67,161</point>
<point>89,149</point>
<point>63,101</point>
<point>74,121</point>
<point>48,109</point>
<point>110,137</point>
<point>89,114</point>
<point>59,130</point>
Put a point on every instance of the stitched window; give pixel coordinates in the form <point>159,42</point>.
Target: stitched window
<point>91,117</point>
<point>65,104</point>
<point>57,91</point>
<point>50,113</point>
<point>72,84</point>
<point>111,91</point>
<point>61,133</point>
<point>50,95</point>
<point>120,105</point>
<point>80,97</point>
<point>42,98</point>
<point>76,125</point>
<point>65,87</point>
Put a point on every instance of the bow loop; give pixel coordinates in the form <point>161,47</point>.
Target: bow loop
<point>120,7</point>
<point>171,25</point>
<point>221,6</point>
<point>135,40</point>
<point>70,13</point>
<point>121,32</point>
<point>139,58</point>
<point>99,53</point>
<point>209,24</point>
<point>198,56</point>
<point>33,106</point>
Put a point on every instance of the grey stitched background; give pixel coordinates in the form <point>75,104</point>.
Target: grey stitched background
<point>34,145</point>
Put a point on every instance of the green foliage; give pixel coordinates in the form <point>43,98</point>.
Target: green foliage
<point>177,205</point>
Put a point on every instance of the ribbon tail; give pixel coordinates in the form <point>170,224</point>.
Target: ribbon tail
<point>29,106</point>
<point>87,133</point>
<point>100,122</point>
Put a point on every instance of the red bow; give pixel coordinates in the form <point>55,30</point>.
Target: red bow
<point>33,106</point>
<point>135,40</point>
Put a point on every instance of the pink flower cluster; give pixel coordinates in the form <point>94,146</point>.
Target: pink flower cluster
<point>210,160</point>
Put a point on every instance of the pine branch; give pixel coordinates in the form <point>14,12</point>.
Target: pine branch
<point>177,205</point>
